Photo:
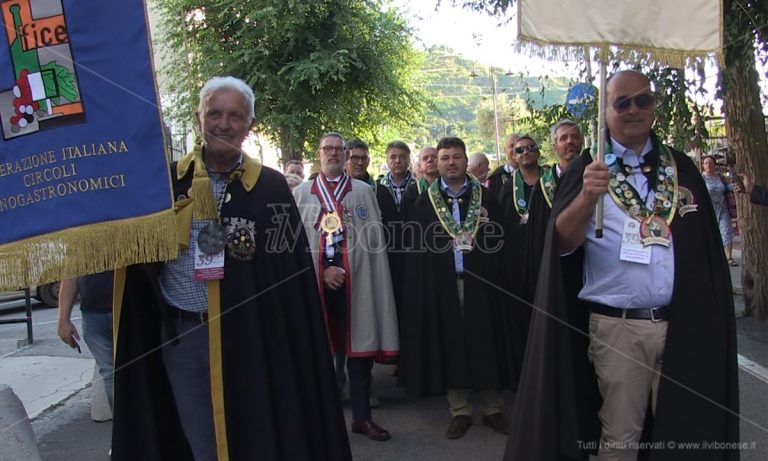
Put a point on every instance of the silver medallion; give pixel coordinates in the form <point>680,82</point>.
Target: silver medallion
<point>212,238</point>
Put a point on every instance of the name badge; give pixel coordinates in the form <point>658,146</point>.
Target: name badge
<point>208,266</point>
<point>632,248</point>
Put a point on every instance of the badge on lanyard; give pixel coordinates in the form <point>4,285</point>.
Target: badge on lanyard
<point>208,266</point>
<point>209,252</point>
<point>632,248</point>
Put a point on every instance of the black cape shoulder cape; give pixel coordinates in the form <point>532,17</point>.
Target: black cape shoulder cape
<point>280,396</point>
<point>557,401</point>
<point>439,348</point>
<point>496,181</point>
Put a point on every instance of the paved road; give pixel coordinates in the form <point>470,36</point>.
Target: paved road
<point>417,425</point>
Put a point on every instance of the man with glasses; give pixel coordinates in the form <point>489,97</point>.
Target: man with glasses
<point>660,336</point>
<point>516,202</point>
<point>566,140</point>
<point>343,224</point>
<point>358,161</point>
<point>503,173</point>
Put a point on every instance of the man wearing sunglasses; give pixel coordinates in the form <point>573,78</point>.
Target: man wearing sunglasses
<point>503,173</point>
<point>566,141</point>
<point>516,200</point>
<point>650,348</point>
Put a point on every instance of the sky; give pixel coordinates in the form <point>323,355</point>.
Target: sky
<point>476,35</point>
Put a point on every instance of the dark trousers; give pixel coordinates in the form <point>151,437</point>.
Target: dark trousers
<point>187,366</point>
<point>359,382</point>
<point>359,369</point>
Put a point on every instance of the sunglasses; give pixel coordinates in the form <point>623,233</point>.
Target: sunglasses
<point>622,103</point>
<point>528,148</point>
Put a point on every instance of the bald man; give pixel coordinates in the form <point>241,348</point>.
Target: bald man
<point>659,341</point>
<point>479,167</point>
<point>503,173</point>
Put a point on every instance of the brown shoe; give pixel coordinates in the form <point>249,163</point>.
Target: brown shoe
<point>370,430</point>
<point>459,426</point>
<point>497,422</point>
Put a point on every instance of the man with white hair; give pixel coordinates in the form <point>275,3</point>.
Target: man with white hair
<point>222,353</point>
<point>478,167</point>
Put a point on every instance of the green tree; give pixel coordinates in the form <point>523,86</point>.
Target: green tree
<point>681,122</point>
<point>342,65</point>
<point>745,30</point>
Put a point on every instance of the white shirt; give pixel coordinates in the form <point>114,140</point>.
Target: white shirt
<point>611,281</point>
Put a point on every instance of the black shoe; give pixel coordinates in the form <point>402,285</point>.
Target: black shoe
<point>459,426</point>
<point>497,422</point>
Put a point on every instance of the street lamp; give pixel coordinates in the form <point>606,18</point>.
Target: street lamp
<point>491,72</point>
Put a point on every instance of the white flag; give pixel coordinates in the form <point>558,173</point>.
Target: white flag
<point>672,29</point>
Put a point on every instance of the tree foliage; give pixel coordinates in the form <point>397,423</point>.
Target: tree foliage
<point>681,122</point>
<point>341,65</point>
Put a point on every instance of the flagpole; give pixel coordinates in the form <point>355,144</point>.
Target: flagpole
<point>601,134</point>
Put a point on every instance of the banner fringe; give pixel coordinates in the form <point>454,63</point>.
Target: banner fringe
<point>88,249</point>
<point>628,53</point>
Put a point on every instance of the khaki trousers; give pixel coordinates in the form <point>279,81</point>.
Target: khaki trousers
<point>627,355</point>
<point>458,399</point>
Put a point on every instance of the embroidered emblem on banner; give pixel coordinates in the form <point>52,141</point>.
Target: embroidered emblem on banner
<point>45,93</point>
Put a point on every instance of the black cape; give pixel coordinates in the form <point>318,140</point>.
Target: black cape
<point>558,400</point>
<point>439,348</point>
<point>392,216</point>
<point>496,181</point>
<point>281,401</point>
<point>540,211</point>
<point>517,239</point>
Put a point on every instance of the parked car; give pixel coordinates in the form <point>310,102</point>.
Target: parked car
<point>47,294</point>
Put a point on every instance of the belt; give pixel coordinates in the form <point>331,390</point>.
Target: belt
<point>189,316</point>
<point>654,314</point>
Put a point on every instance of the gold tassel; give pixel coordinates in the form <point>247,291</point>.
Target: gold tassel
<point>88,249</point>
<point>202,190</point>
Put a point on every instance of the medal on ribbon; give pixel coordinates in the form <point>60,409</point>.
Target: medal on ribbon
<point>212,238</point>
<point>330,224</point>
<point>463,233</point>
<point>518,195</point>
<point>655,221</point>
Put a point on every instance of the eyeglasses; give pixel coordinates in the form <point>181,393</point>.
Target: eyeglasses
<point>622,103</point>
<point>528,148</point>
<point>332,149</point>
<point>357,159</point>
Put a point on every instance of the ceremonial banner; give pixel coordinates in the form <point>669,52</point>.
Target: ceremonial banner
<point>670,31</point>
<point>84,179</point>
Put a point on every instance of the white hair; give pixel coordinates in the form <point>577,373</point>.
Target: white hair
<point>226,82</point>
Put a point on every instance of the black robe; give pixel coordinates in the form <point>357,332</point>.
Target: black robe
<point>281,401</point>
<point>393,219</point>
<point>517,235</point>
<point>496,181</point>
<point>557,402</point>
<point>439,348</point>
<point>540,211</point>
